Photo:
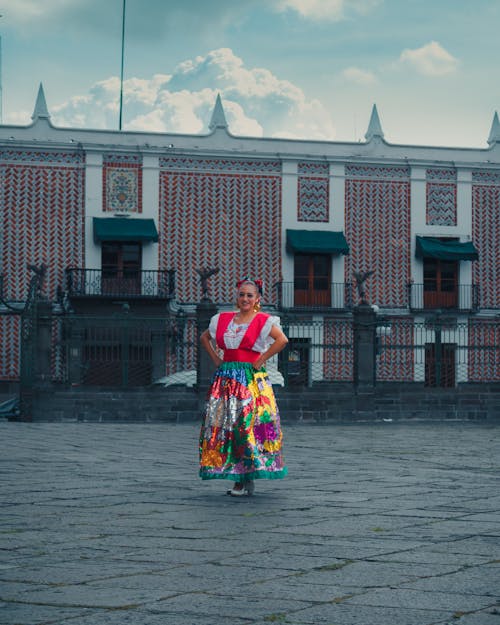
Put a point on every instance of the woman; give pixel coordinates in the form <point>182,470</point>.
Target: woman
<point>241,436</point>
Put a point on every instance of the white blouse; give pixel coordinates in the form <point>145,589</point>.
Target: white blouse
<point>236,331</point>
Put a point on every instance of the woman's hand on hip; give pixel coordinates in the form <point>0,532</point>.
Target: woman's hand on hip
<point>259,363</point>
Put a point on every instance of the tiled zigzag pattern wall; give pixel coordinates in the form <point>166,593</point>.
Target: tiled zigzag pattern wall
<point>221,219</point>
<point>42,199</point>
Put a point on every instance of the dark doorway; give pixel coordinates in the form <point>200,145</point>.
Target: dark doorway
<point>298,356</point>
<point>440,364</point>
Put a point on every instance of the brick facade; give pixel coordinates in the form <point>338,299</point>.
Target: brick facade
<point>226,202</point>
<point>227,216</point>
<point>377,227</point>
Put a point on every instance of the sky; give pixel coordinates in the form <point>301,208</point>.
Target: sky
<point>305,69</point>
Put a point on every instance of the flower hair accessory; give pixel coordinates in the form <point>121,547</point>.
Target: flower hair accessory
<point>257,283</point>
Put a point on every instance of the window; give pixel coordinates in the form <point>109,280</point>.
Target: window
<point>440,283</point>
<point>121,268</point>
<point>312,279</point>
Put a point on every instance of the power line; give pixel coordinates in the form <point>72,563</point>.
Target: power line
<point>121,71</point>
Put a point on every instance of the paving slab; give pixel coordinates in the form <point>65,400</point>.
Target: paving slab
<point>108,524</point>
<point>341,612</point>
<point>425,600</point>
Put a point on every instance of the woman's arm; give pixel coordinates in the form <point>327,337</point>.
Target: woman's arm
<point>207,344</point>
<point>280,342</point>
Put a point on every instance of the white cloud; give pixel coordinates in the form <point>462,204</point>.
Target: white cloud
<point>430,60</point>
<point>256,102</point>
<point>359,76</point>
<point>98,109</point>
<point>145,21</point>
<point>26,10</point>
<point>241,124</point>
<point>332,10</point>
<point>17,118</point>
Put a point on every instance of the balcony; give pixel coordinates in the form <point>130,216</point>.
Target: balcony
<point>130,285</point>
<point>335,296</point>
<point>464,297</point>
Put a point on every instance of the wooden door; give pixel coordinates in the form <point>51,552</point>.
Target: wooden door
<point>312,280</point>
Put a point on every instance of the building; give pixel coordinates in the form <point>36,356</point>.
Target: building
<point>131,217</point>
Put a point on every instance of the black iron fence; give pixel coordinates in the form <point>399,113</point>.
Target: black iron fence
<point>123,284</point>
<point>339,296</point>
<point>438,352</point>
<point>462,297</point>
<point>319,350</point>
<point>315,294</point>
<point>125,350</point>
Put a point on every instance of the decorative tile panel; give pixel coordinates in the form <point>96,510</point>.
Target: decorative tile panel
<point>313,192</point>
<point>484,365</point>
<point>313,199</point>
<point>438,174</point>
<point>441,194</point>
<point>122,189</point>
<point>393,363</point>
<point>313,169</point>
<point>120,159</point>
<point>376,171</point>
<point>378,232</point>
<point>122,183</point>
<point>338,364</point>
<point>486,237</point>
<point>34,156</point>
<point>220,220</point>
<point>180,163</point>
<point>441,205</point>
<point>43,223</point>
<point>42,213</point>
<point>486,177</point>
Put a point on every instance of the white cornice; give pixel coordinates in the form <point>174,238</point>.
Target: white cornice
<point>43,135</point>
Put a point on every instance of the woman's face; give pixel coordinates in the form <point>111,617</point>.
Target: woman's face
<point>248,296</point>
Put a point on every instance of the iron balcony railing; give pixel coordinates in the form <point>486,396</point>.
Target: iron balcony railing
<point>463,297</point>
<point>300,295</point>
<point>131,284</point>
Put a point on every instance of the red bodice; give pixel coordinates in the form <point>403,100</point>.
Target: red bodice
<point>244,353</point>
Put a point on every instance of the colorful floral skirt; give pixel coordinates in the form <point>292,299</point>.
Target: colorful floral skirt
<point>240,436</point>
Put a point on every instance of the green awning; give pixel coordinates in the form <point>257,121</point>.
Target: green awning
<point>429,247</point>
<point>124,229</point>
<point>316,242</point>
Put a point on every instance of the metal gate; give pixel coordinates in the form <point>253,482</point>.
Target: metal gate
<point>28,360</point>
<point>26,313</point>
<point>439,351</point>
<point>122,350</point>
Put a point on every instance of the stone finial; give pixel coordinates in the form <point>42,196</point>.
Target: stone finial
<point>205,273</point>
<point>374,127</point>
<point>361,278</point>
<point>36,282</point>
<point>41,111</point>
<point>218,117</point>
<point>494,136</point>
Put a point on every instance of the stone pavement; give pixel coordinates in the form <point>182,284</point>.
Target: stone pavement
<point>383,524</point>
